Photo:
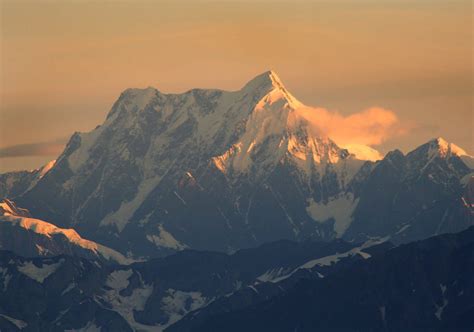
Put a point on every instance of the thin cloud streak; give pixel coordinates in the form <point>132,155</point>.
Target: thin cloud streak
<point>50,148</point>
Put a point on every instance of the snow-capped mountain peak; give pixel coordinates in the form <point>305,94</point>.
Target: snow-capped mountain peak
<point>275,130</point>
<point>440,147</point>
<point>437,148</point>
<point>270,82</point>
<point>268,79</point>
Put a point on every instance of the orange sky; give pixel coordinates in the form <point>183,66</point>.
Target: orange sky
<point>63,63</point>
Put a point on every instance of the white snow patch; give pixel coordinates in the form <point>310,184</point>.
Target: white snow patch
<point>90,327</point>
<point>440,309</point>
<point>6,277</point>
<point>272,274</point>
<point>70,287</point>
<point>179,303</point>
<point>119,279</point>
<point>18,323</point>
<point>333,259</point>
<point>253,288</point>
<point>340,209</point>
<point>39,273</point>
<point>404,228</point>
<point>126,305</point>
<point>165,239</point>
<point>122,216</point>
<point>179,197</point>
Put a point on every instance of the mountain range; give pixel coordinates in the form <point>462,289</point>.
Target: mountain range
<point>220,170</point>
<point>71,292</point>
<point>279,286</point>
<point>420,286</point>
<point>218,210</point>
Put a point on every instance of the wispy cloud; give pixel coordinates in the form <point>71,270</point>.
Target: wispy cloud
<point>50,148</point>
<point>371,127</point>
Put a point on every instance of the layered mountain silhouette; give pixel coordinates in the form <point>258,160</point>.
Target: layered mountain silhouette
<point>425,285</point>
<point>280,286</point>
<point>69,292</point>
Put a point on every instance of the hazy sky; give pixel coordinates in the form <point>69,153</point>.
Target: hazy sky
<point>63,63</point>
